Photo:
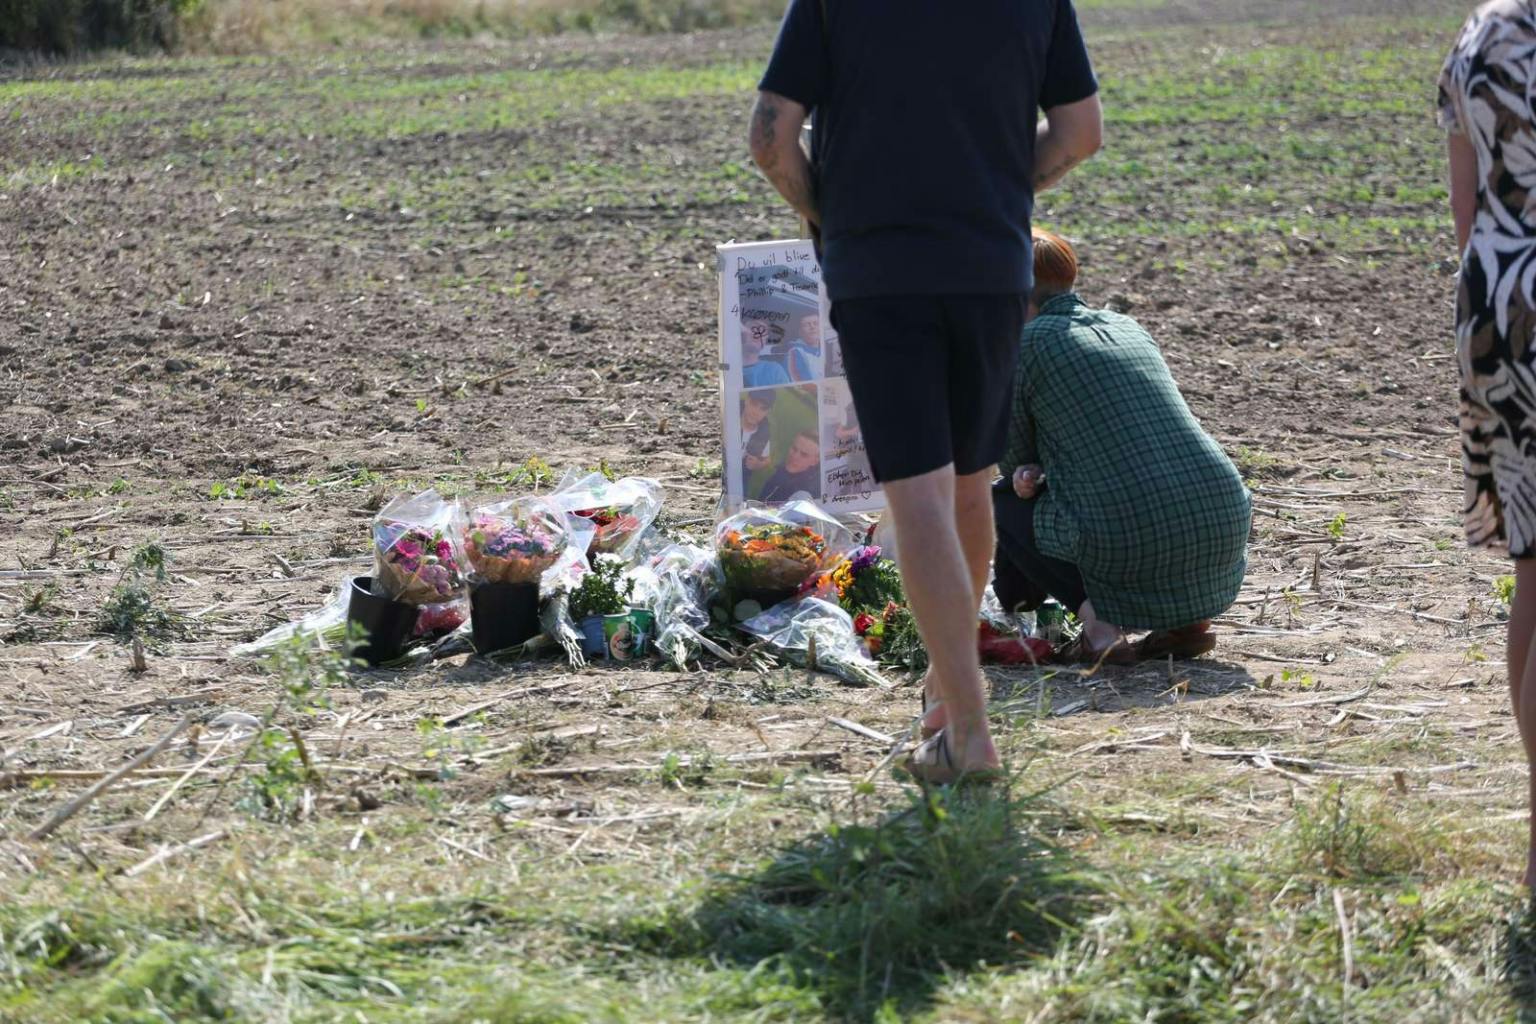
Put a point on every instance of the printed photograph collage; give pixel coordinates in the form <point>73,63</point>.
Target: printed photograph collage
<point>791,431</point>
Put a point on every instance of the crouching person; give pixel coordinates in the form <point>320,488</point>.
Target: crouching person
<point>1112,500</point>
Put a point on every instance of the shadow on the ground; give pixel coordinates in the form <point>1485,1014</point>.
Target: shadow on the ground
<point>872,917</point>
<point>1066,689</point>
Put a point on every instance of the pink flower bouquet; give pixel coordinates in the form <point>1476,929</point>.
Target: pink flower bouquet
<point>417,558</point>
<point>514,541</point>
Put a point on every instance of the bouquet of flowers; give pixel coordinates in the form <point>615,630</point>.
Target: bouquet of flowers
<point>818,634</point>
<point>891,636</point>
<point>514,541</point>
<point>417,557</point>
<point>862,581</point>
<point>618,510</point>
<point>614,526</point>
<point>769,555</point>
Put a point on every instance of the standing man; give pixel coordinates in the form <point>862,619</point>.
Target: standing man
<point>927,157</point>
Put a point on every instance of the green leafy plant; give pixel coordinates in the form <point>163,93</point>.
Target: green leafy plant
<point>276,792</point>
<point>536,472</point>
<point>901,644</point>
<point>244,487</point>
<point>1504,590</point>
<point>676,773</point>
<point>602,591</point>
<point>306,672</point>
<point>1336,527</point>
<point>1303,680</point>
<point>132,611</point>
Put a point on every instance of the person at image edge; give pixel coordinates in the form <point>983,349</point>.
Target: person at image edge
<point>1485,107</point>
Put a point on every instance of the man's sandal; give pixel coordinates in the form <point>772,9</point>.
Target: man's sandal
<point>1176,643</point>
<point>932,763</point>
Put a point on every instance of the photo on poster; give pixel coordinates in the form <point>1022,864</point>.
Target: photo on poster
<point>776,303</point>
<point>846,472</point>
<point>780,444</point>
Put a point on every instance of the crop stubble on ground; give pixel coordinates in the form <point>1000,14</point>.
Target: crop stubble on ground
<point>318,280</point>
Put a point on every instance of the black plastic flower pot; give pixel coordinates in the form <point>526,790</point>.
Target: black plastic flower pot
<point>503,615</point>
<point>387,625</point>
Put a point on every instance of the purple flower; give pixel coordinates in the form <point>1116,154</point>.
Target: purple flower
<point>864,558</point>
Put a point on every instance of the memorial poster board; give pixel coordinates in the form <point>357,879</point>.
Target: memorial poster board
<point>790,428</point>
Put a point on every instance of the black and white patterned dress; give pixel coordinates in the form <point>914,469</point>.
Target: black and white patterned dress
<point>1488,93</point>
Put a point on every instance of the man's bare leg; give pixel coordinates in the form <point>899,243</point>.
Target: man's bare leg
<point>936,576</point>
<point>978,539</point>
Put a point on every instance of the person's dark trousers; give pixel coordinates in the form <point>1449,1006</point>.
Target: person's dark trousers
<point>1022,576</point>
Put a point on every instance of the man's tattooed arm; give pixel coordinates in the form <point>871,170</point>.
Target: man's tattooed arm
<point>775,140</point>
<point>1070,134</point>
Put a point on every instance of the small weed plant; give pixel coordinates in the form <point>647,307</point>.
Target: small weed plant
<point>245,487</point>
<point>133,610</point>
<point>305,674</point>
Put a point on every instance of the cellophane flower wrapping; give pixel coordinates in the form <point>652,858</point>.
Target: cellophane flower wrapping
<point>816,633</point>
<point>514,541</point>
<point>417,553</point>
<point>620,511</point>
<point>677,584</point>
<point>765,550</point>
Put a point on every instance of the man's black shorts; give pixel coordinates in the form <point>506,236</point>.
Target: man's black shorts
<point>931,377</point>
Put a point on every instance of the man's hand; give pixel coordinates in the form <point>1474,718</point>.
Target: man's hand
<point>1070,134</point>
<point>1027,481</point>
<point>775,140</point>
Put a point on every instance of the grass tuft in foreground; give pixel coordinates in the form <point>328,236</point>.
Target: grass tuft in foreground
<point>872,916</point>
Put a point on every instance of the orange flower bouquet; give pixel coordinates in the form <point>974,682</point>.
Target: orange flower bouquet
<point>767,555</point>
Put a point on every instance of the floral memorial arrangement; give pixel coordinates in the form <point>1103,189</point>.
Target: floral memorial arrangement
<point>416,554</point>
<point>615,528</point>
<point>768,555</point>
<point>514,541</point>
<point>620,511</point>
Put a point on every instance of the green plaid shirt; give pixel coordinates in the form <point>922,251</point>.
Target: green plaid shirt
<point>1137,496</point>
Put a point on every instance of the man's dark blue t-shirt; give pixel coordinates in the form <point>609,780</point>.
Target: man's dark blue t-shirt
<point>924,140</point>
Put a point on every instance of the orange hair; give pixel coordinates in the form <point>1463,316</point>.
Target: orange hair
<point>1055,263</point>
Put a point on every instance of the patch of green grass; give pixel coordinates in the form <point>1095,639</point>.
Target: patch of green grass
<point>1255,462</point>
<point>871,916</point>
